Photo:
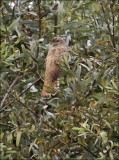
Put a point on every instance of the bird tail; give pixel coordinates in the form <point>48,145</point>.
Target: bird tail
<point>49,88</point>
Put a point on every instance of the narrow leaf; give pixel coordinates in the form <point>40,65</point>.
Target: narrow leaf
<point>18,138</point>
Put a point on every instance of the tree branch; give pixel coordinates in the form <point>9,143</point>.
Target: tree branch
<point>108,26</point>
<point>39,12</point>
<point>13,83</point>
<point>55,24</point>
<point>1,109</point>
<point>113,19</point>
<point>23,105</point>
<point>55,17</point>
<point>45,14</point>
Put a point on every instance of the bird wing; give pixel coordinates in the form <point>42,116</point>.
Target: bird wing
<point>52,69</point>
<point>53,58</point>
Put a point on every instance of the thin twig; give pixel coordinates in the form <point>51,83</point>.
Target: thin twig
<point>55,18</point>
<point>29,87</point>
<point>45,14</point>
<point>23,105</point>
<point>20,94</point>
<point>113,19</point>
<point>13,83</point>
<point>88,150</point>
<point>39,14</point>
<point>108,26</point>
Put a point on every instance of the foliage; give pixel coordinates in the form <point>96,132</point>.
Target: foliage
<point>81,121</point>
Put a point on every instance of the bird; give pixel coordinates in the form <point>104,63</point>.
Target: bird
<point>53,70</point>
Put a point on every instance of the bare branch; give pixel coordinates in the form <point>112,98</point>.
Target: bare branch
<point>24,105</point>
<point>1,109</point>
<point>108,26</point>
<point>39,13</point>
<point>55,24</point>
<point>113,19</point>
<point>29,87</point>
<point>55,18</point>
<point>45,14</point>
<point>13,83</point>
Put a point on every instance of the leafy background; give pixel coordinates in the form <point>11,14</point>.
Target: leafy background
<point>81,121</point>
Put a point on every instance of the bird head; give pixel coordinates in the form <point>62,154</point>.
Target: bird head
<point>57,41</point>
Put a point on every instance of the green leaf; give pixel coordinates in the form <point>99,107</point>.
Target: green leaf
<point>32,128</point>
<point>84,38</point>
<point>31,145</point>
<point>114,84</point>
<point>81,130</point>
<point>107,123</point>
<point>1,135</point>
<point>10,152</point>
<point>71,25</point>
<point>9,138</point>
<point>10,57</point>
<point>18,138</point>
<point>14,24</point>
<point>76,128</point>
<point>9,64</point>
<point>94,6</point>
<point>78,72</point>
<point>103,134</point>
<point>5,55</point>
<point>66,60</point>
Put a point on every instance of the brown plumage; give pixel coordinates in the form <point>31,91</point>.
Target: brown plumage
<point>53,71</point>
